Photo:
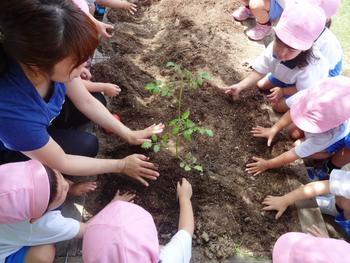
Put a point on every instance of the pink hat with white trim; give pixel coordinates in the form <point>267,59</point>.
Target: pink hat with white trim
<point>324,106</point>
<point>122,232</point>
<point>300,25</point>
<point>299,247</point>
<point>24,191</point>
<point>330,7</point>
<point>82,4</point>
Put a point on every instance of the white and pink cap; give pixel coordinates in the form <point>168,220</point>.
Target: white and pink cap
<point>300,25</point>
<point>324,106</point>
<point>330,7</point>
<point>24,191</point>
<point>122,232</point>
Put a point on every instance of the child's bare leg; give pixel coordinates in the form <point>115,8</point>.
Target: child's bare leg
<point>295,132</point>
<point>265,84</point>
<point>41,254</point>
<point>260,9</point>
<point>344,204</point>
<point>280,106</point>
<point>341,158</point>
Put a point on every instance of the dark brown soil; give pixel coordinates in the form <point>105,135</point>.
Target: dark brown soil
<point>226,200</point>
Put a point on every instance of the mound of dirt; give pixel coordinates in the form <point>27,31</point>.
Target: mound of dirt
<point>227,201</point>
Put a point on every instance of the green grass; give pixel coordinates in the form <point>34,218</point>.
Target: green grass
<point>340,26</point>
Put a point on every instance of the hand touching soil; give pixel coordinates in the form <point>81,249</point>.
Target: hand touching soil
<point>78,189</point>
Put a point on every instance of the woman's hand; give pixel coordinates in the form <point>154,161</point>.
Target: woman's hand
<point>276,94</point>
<point>268,133</point>
<point>260,165</point>
<point>137,167</point>
<point>111,90</point>
<point>139,137</point>
<point>233,91</point>
<point>278,203</point>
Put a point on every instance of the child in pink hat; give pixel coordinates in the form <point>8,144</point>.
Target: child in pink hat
<point>291,62</point>
<point>322,113</point>
<point>337,187</point>
<point>304,248</point>
<point>125,233</point>
<point>29,221</point>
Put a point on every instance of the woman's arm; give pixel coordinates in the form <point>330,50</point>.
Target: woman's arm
<point>52,155</point>
<point>98,113</point>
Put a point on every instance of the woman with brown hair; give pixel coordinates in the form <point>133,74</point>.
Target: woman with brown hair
<point>44,46</point>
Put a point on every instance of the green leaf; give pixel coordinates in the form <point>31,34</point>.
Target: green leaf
<point>171,64</point>
<point>173,122</point>
<point>188,156</point>
<point>202,131</point>
<point>175,130</point>
<point>189,124</point>
<point>158,82</point>
<point>154,137</point>
<point>165,137</point>
<point>156,148</point>
<point>199,168</point>
<point>188,134</point>
<point>185,115</point>
<point>187,168</point>
<point>210,133</point>
<point>182,164</point>
<point>194,160</point>
<point>204,75</point>
<point>165,91</point>
<point>146,145</point>
<point>150,86</point>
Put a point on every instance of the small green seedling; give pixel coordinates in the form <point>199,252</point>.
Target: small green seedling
<point>181,128</point>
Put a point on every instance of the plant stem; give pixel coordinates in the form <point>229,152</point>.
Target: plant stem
<point>177,141</point>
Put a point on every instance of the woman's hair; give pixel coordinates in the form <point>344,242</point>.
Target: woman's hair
<point>52,182</point>
<point>41,33</point>
<point>303,59</point>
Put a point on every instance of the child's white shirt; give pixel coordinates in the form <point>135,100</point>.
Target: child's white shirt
<point>178,250</point>
<point>339,183</point>
<point>330,47</point>
<point>51,228</point>
<point>317,142</point>
<point>302,78</point>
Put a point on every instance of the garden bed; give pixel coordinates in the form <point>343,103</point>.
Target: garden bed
<point>226,200</point>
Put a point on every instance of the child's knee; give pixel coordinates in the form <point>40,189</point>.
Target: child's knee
<point>343,203</point>
<point>257,4</point>
<point>280,106</point>
<point>41,254</point>
<point>295,133</point>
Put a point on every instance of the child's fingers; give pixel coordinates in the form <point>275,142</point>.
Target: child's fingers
<point>278,215</point>
<point>141,180</point>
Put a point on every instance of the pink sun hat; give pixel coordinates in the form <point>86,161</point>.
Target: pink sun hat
<point>300,25</point>
<point>122,232</point>
<point>83,5</point>
<point>300,247</point>
<point>330,7</point>
<point>24,191</point>
<point>324,106</point>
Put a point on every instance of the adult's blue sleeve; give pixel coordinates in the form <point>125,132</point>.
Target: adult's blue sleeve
<point>22,136</point>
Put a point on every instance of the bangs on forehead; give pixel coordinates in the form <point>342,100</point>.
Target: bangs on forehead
<point>278,40</point>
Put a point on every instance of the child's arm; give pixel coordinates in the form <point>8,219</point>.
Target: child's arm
<point>101,27</point>
<point>281,203</point>
<point>245,83</point>
<point>186,220</point>
<point>260,165</point>
<point>108,89</point>
<point>270,133</point>
<point>117,4</point>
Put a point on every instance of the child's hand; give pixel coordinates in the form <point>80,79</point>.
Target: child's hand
<point>102,29</point>
<point>184,190</point>
<point>78,189</point>
<point>137,167</point>
<point>278,203</point>
<point>139,137</point>
<point>85,74</point>
<point>126,197</point>
<point>130,7</point>
<point>276,94</point>
<point>111,90</point>
<point>233,91</point>
<point>268,133</point>
<point>316,232</point>
<point>258,167</point>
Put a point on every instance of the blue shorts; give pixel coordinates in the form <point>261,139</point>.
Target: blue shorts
<point>18,256</point>
<point>337,70</point>
<point>275,10</point>
<point>278,83</point>
<point>345,142</point>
